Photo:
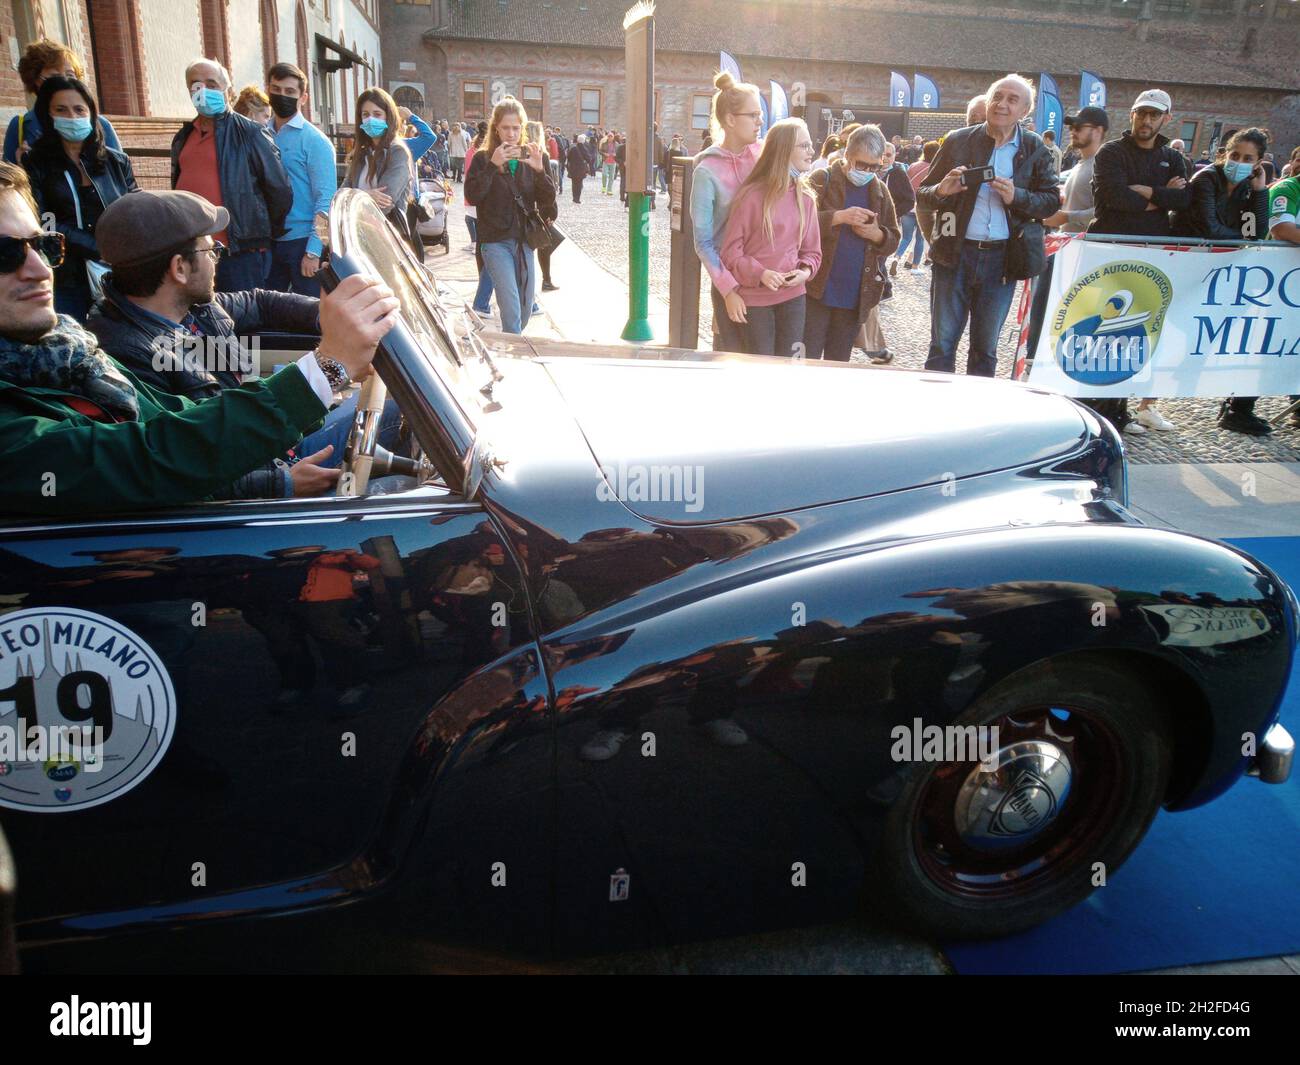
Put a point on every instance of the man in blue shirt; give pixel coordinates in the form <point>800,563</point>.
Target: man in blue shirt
<point>976,224</point>
<point>308,157</point>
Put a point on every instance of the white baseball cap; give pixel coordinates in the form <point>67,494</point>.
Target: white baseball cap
<point>1157,98</point>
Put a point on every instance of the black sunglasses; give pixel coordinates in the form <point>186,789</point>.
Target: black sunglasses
<point>13,250</point>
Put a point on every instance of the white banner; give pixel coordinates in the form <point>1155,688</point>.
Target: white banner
<point>1132,320</point>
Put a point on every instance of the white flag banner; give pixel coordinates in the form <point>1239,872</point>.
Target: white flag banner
<point>1133,320</point>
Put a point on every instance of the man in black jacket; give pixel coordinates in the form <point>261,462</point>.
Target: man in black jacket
<point>989,235</point>
<point>1136,181</point>
<point>232,162</point>
<point>160,318</point>
<point>1139,178</point>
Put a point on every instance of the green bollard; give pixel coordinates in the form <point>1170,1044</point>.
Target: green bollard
<point>638,261</point>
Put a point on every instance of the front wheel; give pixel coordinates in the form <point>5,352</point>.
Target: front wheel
<point>1077,771</point>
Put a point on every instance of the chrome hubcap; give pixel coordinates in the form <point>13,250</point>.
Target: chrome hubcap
<point>1013,796</point>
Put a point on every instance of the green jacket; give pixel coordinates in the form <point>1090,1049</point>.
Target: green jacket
<point>177,452</point>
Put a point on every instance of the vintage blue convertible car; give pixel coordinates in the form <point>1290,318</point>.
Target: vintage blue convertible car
<point>653,646</point>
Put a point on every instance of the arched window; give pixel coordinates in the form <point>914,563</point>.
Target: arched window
<point>270,26</point>
<point>216,31</point>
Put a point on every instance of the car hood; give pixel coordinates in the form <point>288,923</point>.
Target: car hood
<point>727,438</point>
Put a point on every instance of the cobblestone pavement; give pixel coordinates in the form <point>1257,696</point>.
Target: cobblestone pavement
<point>599,225</point>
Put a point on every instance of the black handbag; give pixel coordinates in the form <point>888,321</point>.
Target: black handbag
<point>1026,256</point>
<point>539,234</point>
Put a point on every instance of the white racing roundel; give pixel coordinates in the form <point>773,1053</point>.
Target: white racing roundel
<point>87,710</point>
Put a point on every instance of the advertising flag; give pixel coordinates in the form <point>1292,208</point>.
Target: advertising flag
<point>1046,87</point>
<point>727,62</point>
<point>1053,116</point>
<point>1092,90</point>
<point>926,94</point>
<point>780,103</point>
<point>767,120</point>
<point>900,93</point>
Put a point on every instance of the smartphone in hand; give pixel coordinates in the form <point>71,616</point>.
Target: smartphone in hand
<point>976,175</point>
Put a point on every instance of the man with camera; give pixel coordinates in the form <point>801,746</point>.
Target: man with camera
<point>989,187</point>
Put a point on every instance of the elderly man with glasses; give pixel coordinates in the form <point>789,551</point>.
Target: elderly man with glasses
<point>990,186</point>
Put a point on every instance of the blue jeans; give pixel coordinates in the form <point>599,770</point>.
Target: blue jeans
<point>911,229</point>
<point>660,179</point>
<point>337,426</point>
<point>973,288</point>
<point>513,271</point>
<point>285,274</point>
<point>242,272</point>
<point>483,294</point>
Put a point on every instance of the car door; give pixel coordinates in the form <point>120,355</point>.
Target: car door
<point>295,697</point>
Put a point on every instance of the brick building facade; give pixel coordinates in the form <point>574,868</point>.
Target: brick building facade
<point>1226,63</point>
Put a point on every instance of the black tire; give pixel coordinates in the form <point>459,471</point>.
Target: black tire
<point>938,885</point>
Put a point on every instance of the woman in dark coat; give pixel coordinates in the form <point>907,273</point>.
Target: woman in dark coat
<point>579,166</point>
<point>507,172</point>
<point>74,177</point>
<point>859,233</point>
<point>1230,202</point>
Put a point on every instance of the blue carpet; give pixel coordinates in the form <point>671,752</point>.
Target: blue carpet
<point>1217,883</point>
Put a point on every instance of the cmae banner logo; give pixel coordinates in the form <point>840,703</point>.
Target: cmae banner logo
<point>69,673</point>
<point>1108,323</point>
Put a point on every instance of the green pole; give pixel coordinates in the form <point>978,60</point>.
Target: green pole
<point>638,268</point>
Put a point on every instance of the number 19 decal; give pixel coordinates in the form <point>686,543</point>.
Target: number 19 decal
<point>87,710</point>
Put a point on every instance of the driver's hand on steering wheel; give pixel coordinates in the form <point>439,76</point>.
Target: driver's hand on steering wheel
<point>353,318</point>
<point>310,479</point>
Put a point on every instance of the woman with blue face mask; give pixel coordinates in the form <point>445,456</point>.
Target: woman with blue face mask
<point>380,163</point>
<point>859,230</point>
<point>1229,199</point>
<point>74,177</point>
<point>1230,202</point>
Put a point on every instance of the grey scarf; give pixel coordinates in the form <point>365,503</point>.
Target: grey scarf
<point>68,358</point>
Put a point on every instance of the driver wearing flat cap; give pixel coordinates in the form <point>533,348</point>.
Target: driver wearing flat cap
<point>161,318</point>
<point>82,435</point>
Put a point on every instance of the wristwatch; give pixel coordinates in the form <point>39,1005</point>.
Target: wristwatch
<point>335,374</point>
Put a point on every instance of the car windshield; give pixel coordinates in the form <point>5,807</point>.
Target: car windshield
<point>436,339</point>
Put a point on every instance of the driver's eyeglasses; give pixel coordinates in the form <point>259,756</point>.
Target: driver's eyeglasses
<point>867,168</point>
<point>216,251</point>
<point>13,250</point>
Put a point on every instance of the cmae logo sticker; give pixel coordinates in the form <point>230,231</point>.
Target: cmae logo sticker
<point>102,1018</point>
<point>70,675</point>
<point>1108,323</point>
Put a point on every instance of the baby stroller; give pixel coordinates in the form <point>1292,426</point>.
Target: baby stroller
<point>434,194</point>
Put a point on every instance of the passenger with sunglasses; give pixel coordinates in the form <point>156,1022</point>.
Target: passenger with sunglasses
<point>83,436</point>
<point>74,176</point>
<point>859,231</point>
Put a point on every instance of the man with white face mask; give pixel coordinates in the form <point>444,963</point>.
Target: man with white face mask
<point>232,162</point>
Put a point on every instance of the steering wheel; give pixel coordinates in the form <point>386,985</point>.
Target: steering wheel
<point>363,440</point>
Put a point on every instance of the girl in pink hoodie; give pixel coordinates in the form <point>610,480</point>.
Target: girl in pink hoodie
<point>735,122</point>
<point>772,244</point>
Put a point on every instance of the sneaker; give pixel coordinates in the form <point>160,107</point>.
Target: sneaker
<point>725,732</point>
<point>1153,419</point>
<point>1135,428</point>
<point>893,268</point>
<point>548,287</point>
<point>880,358</point>
<point>1240,421</point>
<point>915,271</point>
<point>602,746</point>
